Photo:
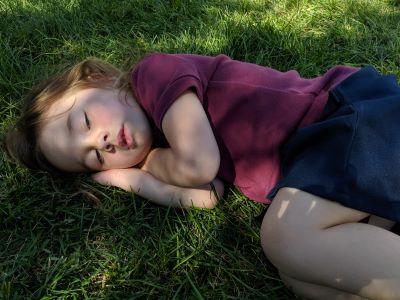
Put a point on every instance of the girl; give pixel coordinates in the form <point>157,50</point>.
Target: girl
<point>178,127</point>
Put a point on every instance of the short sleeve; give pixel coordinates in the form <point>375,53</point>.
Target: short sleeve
<point>159,79</point>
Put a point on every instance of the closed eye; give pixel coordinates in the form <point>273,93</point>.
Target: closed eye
<point>100,158</point>
<point>98,154</point>
<point>87,121</point>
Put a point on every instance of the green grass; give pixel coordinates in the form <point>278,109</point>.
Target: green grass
<point>59,242</point>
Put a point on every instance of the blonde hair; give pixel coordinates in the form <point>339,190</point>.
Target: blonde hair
<point>21,139</point>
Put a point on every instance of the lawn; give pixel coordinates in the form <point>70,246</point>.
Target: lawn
<point>69,238</point>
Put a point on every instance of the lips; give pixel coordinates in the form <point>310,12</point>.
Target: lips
<point>124,138</point>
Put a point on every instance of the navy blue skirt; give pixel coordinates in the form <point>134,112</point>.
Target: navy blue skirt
<point>352,154</point>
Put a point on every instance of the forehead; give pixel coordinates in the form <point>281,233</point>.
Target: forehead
<point>72,100</point>
<point>54,137</point>
<point>60,106</point>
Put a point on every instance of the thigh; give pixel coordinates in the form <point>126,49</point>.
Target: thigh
<point>321,242</point>
<point>295,220</point>
<point>300,210</point>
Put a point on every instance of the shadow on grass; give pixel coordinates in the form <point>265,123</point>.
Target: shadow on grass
<point>352,33</point>
<point>57,242</point>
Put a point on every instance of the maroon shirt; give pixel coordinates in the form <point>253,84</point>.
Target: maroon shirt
<point>252,109</point>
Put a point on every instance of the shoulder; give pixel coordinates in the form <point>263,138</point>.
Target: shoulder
<point>161,63</point>
<point>160,78</point>
<point>174,65</point>
<point>160,69</point>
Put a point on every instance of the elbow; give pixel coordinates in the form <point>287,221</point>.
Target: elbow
<point>200,178</point>
<point>198,167</point>
<point>201,201</point>
<point>205,197</point>
<point>211,203</point>
<point>203,172</point>
<point>216,192</point>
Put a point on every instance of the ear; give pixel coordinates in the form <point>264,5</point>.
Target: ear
<point>94,77</point>
<point>100,78</point>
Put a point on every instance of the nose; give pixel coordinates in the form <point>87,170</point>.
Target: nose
<point>103,142</point>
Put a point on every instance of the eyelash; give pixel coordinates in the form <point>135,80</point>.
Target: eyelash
<point>98,155</point>
<point>87,121</point>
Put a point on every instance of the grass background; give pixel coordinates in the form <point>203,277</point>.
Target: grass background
<point>59,242</point>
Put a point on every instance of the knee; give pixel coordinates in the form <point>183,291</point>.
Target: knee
<point>279,241</point>
<point>382,290</point>
<point>287,238</point>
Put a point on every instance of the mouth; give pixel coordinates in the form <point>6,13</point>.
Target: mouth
<point>124,138</point>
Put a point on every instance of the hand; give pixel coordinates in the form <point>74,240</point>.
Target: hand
<point>126,179</point>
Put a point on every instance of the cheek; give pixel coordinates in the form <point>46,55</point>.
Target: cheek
<point>103,113</point>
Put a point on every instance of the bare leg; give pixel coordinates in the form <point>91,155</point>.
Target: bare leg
<point>313,291</point>
<point>319,242</point>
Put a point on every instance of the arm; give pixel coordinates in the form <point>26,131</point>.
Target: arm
<point>193,157</point>
<point>147,186</point>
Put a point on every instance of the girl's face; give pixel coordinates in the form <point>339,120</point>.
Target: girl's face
<point>95,129</point>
